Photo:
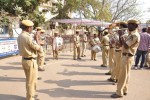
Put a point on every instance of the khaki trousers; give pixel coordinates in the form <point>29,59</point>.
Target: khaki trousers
<point>126,64</point>
<point>117,65</point>
<point>83,49</point>
<point>30,69</point>
<point>111,59</point>
<point>105,52</point>
<point>93,55</point>
<point>76,53</point>
<point>41,59</point>
<point>55,54</point>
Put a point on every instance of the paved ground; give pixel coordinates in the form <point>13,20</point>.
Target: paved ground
<point>66,79</point>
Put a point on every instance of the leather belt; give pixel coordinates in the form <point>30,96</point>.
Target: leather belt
<point>29,58</point>
<point>117,50</point>
<point>111,47</point>
<point>127,54</point>
<point>105,45</point>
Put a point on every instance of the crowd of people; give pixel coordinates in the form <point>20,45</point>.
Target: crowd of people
<point>120,43</point>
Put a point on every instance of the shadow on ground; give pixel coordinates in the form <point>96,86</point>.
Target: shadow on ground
<point>69,82</point>
<point>10,68</point>
<point>72,73</point>
<point>84,66</point>
<point>61,92</point>
<point>11,79</point>
<point>15,63</point>
<point>11,97</point>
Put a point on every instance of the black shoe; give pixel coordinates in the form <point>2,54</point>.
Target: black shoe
<point>116,96</point>
<point>111,80</point>
<point>95,60</point>
<point>39,69</point>
<point>79,58</point>
<point>39,78</point>
<point>44,63</point>
<point>103,66</point>
<point>108,73</point>
<point>125,94</point>
<point>114,83</point>
<point>35,96</point>
<point>74,59</point>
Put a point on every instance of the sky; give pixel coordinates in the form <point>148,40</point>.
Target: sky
<point>144,5</point>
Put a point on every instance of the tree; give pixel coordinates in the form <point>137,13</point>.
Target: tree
<point>123,9</point>
<point>24,9</point>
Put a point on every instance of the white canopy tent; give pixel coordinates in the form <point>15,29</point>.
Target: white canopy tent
<point>88,22</point>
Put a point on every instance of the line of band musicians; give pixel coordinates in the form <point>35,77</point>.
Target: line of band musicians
<point>118,44</point>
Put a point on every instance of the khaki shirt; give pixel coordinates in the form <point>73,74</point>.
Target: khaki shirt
<point>132,40</point>
<point>112,38</point>
<point>76,40</point>
<point>124,36</point>
<point>94,41</point>
<point>105,40</point>
<point>27,47</point>
<point>84,38</point>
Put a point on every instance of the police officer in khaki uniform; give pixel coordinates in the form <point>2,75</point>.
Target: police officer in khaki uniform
<point>129,47</point>
<point>93,42</point>
<point>84,43</point>
<point>118,51</point>
<point>28,50</point>
<point>41,56</point>
<point>76,46</point>
<point>105,48</point>
<point>111,50</point>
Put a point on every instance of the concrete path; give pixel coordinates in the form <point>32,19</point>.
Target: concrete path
<point>67,79</point>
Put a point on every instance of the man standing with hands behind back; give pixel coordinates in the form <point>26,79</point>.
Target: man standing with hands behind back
<point>28,50</point>
<point>76,46</point>
<point>129,47</point>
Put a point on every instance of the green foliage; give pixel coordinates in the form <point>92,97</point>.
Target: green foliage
<point>4,20</point>
<point>91,9</point>
<point>37,17</point>
<point>24,9</point>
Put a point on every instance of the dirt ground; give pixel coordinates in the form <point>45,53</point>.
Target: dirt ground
<point>68,79</point>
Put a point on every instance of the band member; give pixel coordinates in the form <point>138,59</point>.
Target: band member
<point>129,47</point>
<point>41,56</point>
<point>105,48</point>
<point>28,49</point>
<point>94,42</point>
<point>111,50</point>
<point>118,51</point>
<point>84,43</point>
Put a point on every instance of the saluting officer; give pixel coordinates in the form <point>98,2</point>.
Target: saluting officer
<point>129,47</point>
<point>28,50</point>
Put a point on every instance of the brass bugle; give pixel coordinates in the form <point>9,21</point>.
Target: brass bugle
<point>120,29</point>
